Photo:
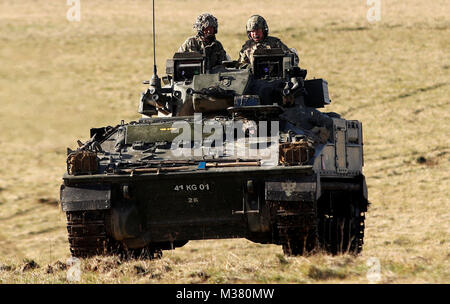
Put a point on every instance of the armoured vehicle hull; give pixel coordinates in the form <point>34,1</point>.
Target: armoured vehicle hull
<point>130,189</point>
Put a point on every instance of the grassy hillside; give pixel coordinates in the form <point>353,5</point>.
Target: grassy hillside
<point>59,78</point>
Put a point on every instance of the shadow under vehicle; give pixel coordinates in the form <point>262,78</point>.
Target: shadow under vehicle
<point>221,152</point>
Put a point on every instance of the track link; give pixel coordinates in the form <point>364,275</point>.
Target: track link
<point>341,225</point>
<point>297,227</point>
<point>87,233</point>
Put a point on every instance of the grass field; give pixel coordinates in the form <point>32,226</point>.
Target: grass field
<point>59,78</point>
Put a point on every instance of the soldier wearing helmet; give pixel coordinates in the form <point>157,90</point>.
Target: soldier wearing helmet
<point>258,34</point>
<point>205,41</point>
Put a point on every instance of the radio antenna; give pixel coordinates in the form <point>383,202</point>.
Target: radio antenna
<point>155,82</point>
<point>153,30</point>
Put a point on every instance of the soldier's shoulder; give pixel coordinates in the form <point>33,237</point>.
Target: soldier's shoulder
<point>191,39</point>
<point>218,43</point>
<point>247,44</point>
<point>272,39</point>
<point>189,45</point>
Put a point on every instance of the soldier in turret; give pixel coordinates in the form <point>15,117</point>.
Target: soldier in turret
<point>205,41</point>
<point>257,32</point>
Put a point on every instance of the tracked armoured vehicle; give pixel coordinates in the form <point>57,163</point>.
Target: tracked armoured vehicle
<point>221,152</point>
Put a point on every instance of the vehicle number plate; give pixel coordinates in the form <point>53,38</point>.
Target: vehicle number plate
<point>192,187</point>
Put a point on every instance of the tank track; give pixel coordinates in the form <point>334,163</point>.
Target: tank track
<point>339,235</point>
<point>304,228</point>
<point>296,223</point>
<point>87,233</point>
<point>88,237</point>
<point>341,227</point>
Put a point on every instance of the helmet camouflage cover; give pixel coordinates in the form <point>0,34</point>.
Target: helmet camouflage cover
<point>257,22</point>
<point>203,21</point>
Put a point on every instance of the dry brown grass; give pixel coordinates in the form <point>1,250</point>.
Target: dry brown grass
<point>58,79</point>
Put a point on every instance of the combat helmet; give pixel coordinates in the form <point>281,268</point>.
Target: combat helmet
<point>203,21</point>
<point>257,22</point>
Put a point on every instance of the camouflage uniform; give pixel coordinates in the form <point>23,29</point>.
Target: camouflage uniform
<point>268,42</point>
<point>211,47</point>
<point>216,52</point>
